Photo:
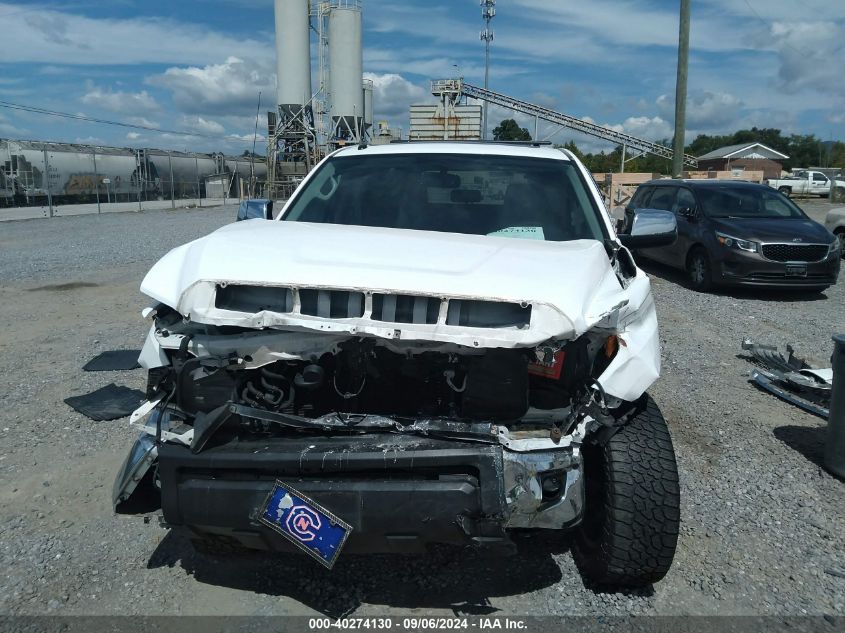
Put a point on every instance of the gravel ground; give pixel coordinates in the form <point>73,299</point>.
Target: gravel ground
<point>761,521</point>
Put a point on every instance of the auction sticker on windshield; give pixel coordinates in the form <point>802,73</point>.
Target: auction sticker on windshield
<point>521,232</point>
<point>305,523</point>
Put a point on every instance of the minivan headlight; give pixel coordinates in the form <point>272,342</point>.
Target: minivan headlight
<point>834,249</point>
<point>734,242</point>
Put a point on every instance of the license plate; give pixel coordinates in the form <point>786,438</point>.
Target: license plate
<point>549,369</point>
<point>796,270</point>
<point>305,523</point>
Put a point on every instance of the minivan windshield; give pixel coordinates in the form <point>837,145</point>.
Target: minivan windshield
<point>746,202</point>
<point>503,196</point>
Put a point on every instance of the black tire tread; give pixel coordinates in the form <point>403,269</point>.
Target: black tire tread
<point>640,506</point>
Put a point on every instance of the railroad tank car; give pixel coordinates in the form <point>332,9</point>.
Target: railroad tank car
<point>70,172</point>
<point>187,170</point>
<point>7,191</point>
<point>243,166</point>
<point>121,174</point>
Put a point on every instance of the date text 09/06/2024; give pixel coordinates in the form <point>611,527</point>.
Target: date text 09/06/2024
<point>417,623</point>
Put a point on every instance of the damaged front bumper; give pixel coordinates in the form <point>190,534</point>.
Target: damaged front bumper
<point>399,490</point>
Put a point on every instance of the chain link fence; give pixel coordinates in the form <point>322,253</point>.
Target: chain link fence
<point>40,179</point>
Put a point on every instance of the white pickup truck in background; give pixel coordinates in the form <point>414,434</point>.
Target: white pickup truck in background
<point>805,182</point>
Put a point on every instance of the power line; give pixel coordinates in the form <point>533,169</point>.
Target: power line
<point>769,26</point>
<point>79,117</point>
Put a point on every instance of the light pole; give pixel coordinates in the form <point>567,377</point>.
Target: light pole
<point>488,12</point>
<point>681,91</point>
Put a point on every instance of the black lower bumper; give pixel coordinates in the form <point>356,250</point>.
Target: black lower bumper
<point>397,492</point>
<point>750,269</point>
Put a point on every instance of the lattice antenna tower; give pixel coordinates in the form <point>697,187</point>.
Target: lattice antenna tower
<point>488,12</point>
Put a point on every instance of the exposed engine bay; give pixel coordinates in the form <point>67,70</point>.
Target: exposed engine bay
<point>545,385</point>
<point>215,387</point>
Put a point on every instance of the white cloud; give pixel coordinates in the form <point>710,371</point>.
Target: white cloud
<point>648,128</point>
<point>200,125</point>
<point>133,136</point>
<point>53,36</point>
<point>116,101</point>
<point>142,121</point>
<point>761,10</point>
<point>544,99</point>
<point>9,129</point>
<point>811,56</point>
<point>229,88</point>
<point>393,95</point>
<point>706,110</point>
<point>248,138</point>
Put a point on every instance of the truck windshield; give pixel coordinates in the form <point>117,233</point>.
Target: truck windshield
<point>746,202</point>
<point>504,196</point>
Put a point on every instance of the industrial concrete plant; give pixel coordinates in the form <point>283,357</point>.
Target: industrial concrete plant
<point>308,123</point>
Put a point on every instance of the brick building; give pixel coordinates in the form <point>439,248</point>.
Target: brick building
<point>745,156</point>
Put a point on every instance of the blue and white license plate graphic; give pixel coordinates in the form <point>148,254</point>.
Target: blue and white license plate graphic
<point>306,524</point>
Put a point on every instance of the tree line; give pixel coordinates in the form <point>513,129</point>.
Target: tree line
<point>804,150</point>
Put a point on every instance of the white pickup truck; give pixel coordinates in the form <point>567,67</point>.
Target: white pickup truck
<point>805,182</point>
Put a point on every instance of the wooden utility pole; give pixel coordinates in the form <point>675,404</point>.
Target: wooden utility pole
<point>681,91</point>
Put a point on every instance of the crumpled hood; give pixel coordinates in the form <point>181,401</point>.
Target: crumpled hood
<point>570,285</point>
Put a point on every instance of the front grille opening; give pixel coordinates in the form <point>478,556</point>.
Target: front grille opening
<point>332,304</point>
<point>488,314</point>
<point>389,308</point>
<point>406,309</point>
<point>254,298</point>
<point>795,252</point>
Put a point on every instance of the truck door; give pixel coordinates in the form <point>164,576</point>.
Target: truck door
<point>819,184</point>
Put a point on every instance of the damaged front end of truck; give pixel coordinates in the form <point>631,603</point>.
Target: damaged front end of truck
<point>415,416</point>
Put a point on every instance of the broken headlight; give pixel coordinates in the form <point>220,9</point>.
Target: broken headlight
<point>734,242</point>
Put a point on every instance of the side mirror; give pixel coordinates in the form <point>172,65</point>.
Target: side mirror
<point>255,210</point>
<point>651,228</point>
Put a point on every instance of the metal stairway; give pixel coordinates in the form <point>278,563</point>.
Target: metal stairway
<point>626,140</point>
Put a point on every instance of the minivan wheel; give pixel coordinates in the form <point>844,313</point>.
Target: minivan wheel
<point>699,271</point>
<point>632,505</point>
<point>840,235</point>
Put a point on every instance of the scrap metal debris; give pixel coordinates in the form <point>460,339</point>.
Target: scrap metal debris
<point>791,378</point>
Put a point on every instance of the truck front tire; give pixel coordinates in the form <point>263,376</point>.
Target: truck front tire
<point>632,509</point>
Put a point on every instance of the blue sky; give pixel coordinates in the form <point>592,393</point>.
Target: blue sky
<point>198,65</point>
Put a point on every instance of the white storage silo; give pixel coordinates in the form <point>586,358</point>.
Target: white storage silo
<point>346,70</point>
<point>293,55</point>
<point>368,104</point>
